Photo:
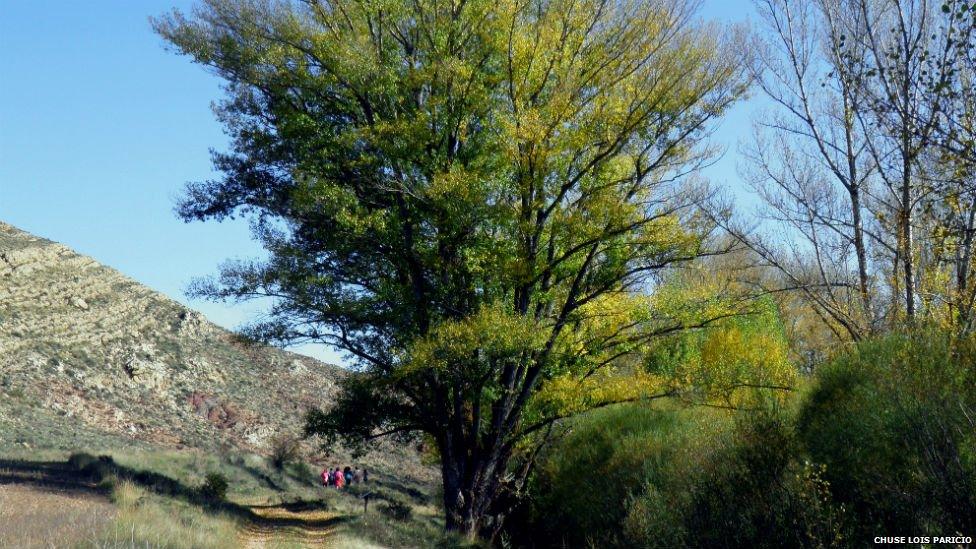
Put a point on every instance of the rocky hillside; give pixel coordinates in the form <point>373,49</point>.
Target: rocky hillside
<point>89,358</point>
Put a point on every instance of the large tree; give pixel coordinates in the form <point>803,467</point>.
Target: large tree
<point>471,198</point>
<point>902,55</point>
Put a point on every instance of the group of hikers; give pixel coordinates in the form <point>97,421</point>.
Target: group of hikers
<point>342,478</point>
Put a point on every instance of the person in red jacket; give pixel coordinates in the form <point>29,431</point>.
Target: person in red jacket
<point>339,481</point>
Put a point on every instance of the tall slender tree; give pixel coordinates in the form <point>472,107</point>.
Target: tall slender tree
<point>863,158</point>
<point>810,164</point>
<point>906,48</point>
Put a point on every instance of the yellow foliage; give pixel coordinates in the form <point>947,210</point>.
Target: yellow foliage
<point>491,334</point>
<point>567,394</point>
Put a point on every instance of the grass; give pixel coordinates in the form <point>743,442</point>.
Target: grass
<point>153,499</point>
<point>424,528</point>
<point>41,518</point>
<point>145,519</point>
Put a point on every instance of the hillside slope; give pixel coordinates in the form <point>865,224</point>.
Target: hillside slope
<point>88,356</point>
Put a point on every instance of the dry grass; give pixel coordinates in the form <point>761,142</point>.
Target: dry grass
<point>148,520</point>
<point>343,541</point>
<point>291,509</point>
<point>32,517</point>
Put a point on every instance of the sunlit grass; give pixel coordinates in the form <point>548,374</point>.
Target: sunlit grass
<point>30,517</point>
<point>151,499</point>
<point>146,520</point>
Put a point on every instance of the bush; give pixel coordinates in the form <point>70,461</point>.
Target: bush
<point>80,460</point>
<point>214,487</point>
<point>97,468</point>
<point>284,450</point>
<point>883,440</point>
<point>751,489</point>
<point>587,483</point>
<point>397,510</point>
<point>638,477</point>
<point>893,424</point>
<point>304,473</point>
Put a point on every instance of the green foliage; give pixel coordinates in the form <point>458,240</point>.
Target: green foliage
<point>285,448</point>
<point>735,362</point>
<point>98,468</point>
<point>748,489</point>
<point>465,197</point>
<point>214,487</point>
<point>881,441</point>
<point>397,510</point>
<point>586,484</point>
<point>81,460</point>
<point>893,423</point>
<point>634,477</point>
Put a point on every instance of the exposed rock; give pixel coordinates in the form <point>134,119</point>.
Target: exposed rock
<point>81,343</point>
<point>192,324</point>
<point>210,408</point>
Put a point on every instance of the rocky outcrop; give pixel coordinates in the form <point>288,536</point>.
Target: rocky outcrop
<point>86,349</point>
<point>213,409</point>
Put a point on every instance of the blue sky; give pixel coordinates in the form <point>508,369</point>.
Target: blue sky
<point>100,127</point>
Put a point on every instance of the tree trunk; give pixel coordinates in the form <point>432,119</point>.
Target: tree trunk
<point>470,484</point>
<point>896,300</point>
<point>458,512</point>
<point>862,261</point>
<point>908,153</point>
<point>964,258</point>
<point>908,240</point>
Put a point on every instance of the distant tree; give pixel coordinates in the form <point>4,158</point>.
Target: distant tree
<point>470,198</point>
<point>954,209</point>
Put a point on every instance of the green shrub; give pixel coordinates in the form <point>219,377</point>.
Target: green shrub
<point>883,441</point>
<point>637,477</point>
<point>750,489</point>
<point>397,510</point>
<point>214,487</point>
<point>80,460</point>
<point>284,450</point>
<point>304,474</point>
<point>585,486</point>
<point>97,468</point>
<point>893,423</point>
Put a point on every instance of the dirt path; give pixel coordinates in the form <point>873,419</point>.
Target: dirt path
<point>67,505</point>
<point>279,524</point>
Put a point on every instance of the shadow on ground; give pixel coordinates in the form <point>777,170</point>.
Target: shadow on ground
<point>84,473</point>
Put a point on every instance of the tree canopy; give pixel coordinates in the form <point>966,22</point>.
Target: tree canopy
<point>473,199</point>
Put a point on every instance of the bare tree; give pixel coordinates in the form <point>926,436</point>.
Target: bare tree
<point>956,160</point>
<point>810,164</point>
<point>861,163</point>
<point>903,49</point>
